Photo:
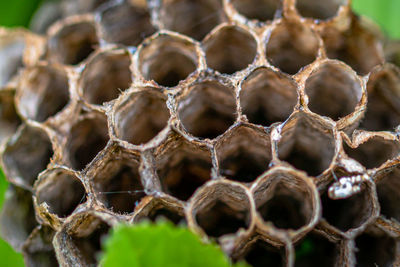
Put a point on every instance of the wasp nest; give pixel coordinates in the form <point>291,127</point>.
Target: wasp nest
<point>268,126</point>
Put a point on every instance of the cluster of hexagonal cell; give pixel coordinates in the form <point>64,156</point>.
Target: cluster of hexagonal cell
<point>229,116</point>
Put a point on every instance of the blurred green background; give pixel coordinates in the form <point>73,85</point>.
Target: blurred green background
<point>13,13</point>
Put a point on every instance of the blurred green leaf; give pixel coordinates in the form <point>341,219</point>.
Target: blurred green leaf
<point>17,12</point>
<point>383,12</point>
<point>160,245</point>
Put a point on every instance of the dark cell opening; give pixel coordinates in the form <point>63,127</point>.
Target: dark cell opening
<point>262,254</point>
<point>322,10</point>
<point>147,111</point>
<point>292,46</point>
<point>119,186</point>
<point>261,10</point>
<point>87,138</point>
<point>183,171</point>
<point>9,119</point>
<point>267,97</point>
<point>374,152</point>
<point>208,110</point>
<point>220,219</point>
<point>315,251</point>
<point>375,250</point>
<point>349,213</point>
<point>194,18</point>
<point>230,49</point>
<point>73,43</point>
<point>388,190</point>
<point>166,214</point>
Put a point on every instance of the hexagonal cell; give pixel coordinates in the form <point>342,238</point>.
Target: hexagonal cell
<point>230,49</point>
<point>105,76</point>
<point>260,10</point>
<point>147,110</point>
<point>56,182</point>
<point>80,240</point>
<point>38,249</point>
<point>333,90</point>
<point>194,18</point>
<point>375,248</point>
<point>243,154</point>
<point>9,119</point>
<point>349,213</point>
<point>261,254</point>
<point>220,209</point>
<point>307,146</point>
<point>182,168</point>
<point>167,59</point>
<point>315,251</point>
<point>117,183</point>
<point>383,100</point>
<point>42,92</point>
<point>374,152</point>
<point>125,22</point>
<point>388,190</point>
<point>87,137</point>
<point>12,47</point>
<point>17,217</point>
<point>321,10</point>
<point>208,110</point>
<point>357,46</point>
<point>26,155</point>
<point>267,96</point>
<point>291,46</point>
<point>286,200</point>
<point>72,43</point>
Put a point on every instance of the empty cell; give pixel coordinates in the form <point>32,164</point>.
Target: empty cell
<point>333,90</point>
<point>307,147</point>
<point>315,251</point>
<point>87,239</point>
<point>348,213</point>
<point>55,183</point>
<point>118,185</point>
<point>356,46</point>
<point>267,96</point>
<point>42,92</point>
<point>221,209</point>
<point>9,119</point>
<point>291,46</point>
<point>321,10</point>
<point>12,47</point>
<point>244,154</point>
<point>285,200</point>
<point>39,251</point>
<point>374,152</point>
<point>126,22</point>
<point>230,49</point>
<point>27,154</point>
<point>194,18</point>
<point>17,217</point>
<point>261,254</point>
<point>167,60</point>
<point>106,76</point>
<point>261,10</point>
<point>140,116</point>
<point>383,108</point>
<point>183,168</point>
<point>208,110</point>
<point>375,248</point>
<point>87,137</point>
<point>388,190</point>
<point>72,43</point>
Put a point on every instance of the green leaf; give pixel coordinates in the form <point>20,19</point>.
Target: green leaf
<point>160,245</point>
<point>17,12</point>
<point>383,12</point>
